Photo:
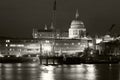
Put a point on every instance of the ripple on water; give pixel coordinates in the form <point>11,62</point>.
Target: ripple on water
<point>60,72</point>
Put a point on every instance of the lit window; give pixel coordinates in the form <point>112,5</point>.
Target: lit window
<point>58,34</point>
<point>67,47</point>
<point>16,45</point>
<point>6,45</point>
<point>78,43</point>
<point>47,48</point>
<point>72,43</point>
<point>65,44</point>
<point>47,41</point>
<point>10,49</point>
<point>56,43</point>
<point>7,40</point>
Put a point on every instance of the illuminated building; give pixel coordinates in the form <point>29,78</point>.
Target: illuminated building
<point>77,28</point>
<point>19,46</point>
<point>43,46</point>
<point>110,48</point>
<point>107,38</point>
<point>51,42</point>
<point>72,41</point>
<point>49,33</point>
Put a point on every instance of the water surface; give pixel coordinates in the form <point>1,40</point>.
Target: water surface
<point>60,72</point>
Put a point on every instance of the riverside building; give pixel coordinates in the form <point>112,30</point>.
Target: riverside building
<point>69,42</point>
<point>51,42</point>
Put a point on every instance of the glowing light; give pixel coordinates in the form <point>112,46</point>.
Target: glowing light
<point>91,72</point>
<point>78,43</point>
<point>33,46</point>
<point>98,41</point>
<point>16,45</point>
<point>1,55</point>
<point>65,43</point>
<point>19,64</point>
<point>91,53</point>
<point>47,48</point>
<point>17,55</point>
<point>72,43</point>
<point>37,55</point>
<point>8,41</point>
<point>47,41</point>
<point>7,65</point>
<point>108,38</point>
<point>29,55</point>
<point>48,68</point>
<point>88,71</point>
<point>33,65</point>
<point>6,45</point>
<point>47,75</point>
<point>47,72</point>
<point>90,44</point>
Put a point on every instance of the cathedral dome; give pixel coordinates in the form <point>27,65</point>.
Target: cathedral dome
<point>77,24</point>
<point>77,29</point>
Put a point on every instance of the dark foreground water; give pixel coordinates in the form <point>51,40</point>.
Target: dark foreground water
<point>64,72</point>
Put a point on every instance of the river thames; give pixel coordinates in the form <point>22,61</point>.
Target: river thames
<point>60,72</point>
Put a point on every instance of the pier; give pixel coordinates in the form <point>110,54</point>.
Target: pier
<point>60,60</point>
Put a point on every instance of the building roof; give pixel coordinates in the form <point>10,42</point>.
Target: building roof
<point>76,23</point>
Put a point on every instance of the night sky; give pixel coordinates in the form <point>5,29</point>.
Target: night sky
<point>18,17</point>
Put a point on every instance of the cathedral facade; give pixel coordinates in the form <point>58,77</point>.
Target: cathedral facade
<point>77,29</point>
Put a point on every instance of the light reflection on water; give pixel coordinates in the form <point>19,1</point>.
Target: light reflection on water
<point>60,72</point>
<point>78,72</point>
<point>49,75</point>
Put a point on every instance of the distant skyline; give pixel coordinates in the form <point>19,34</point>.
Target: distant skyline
<point>18,17</point>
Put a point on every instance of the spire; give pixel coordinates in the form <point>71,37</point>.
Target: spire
<point>54,5</point>
<point>45,27</point>
<point>53,24</point>
<point>52,27</point>
<point>77,14</point>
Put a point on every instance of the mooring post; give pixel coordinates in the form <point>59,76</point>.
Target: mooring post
<point>40,59</point>
<point>47,60</point>
<point>53,59</point>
